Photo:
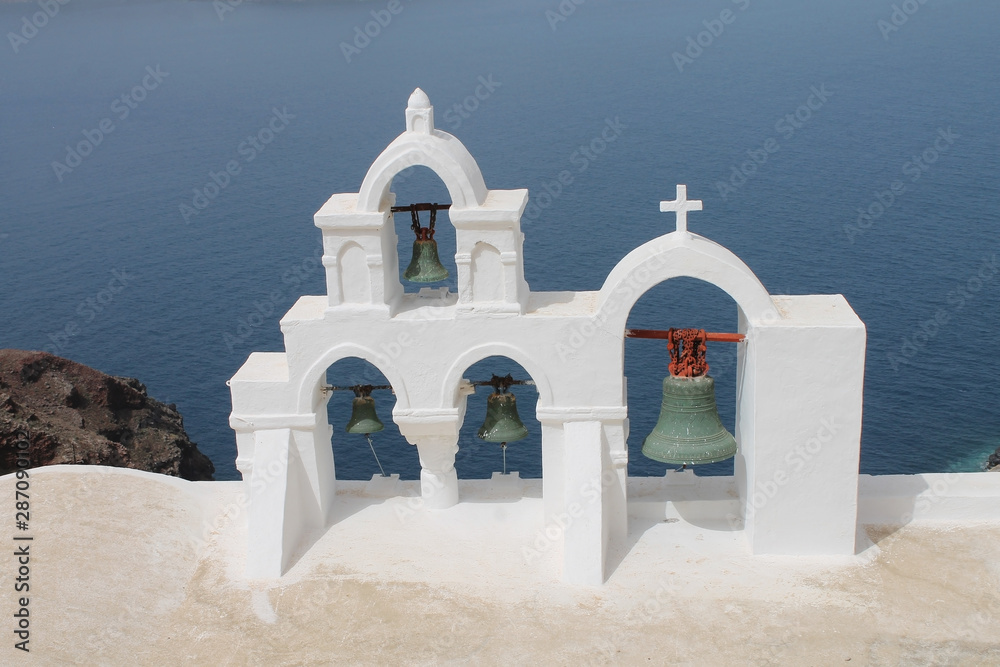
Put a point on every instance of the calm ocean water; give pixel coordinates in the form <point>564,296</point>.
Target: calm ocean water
<point>100,265</point>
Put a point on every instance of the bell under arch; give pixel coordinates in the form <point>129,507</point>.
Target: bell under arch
<point>421,184</point>
<point>681,302</point>
<point>477,213</point>
<point>523,456</point>
<point>353,457</point>
<point>309,393</point>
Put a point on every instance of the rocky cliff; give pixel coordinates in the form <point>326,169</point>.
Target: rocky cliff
<point>70,413</point>
<point>993,463</point>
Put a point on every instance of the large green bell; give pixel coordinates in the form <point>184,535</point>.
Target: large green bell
<point>363,417</point>
<point>689,430</point>
<point>425,267</point>
<point>502,423</point>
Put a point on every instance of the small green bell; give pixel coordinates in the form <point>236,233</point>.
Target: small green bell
<point>425,267</point>
<point>363,417</point>
<point>689,430</point>
<point>502,423</point>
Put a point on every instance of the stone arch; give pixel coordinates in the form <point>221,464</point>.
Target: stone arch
<point>306,391</point>
<point>450,388</point>
<point>439,151</point>
<point>355,276</point>
<point>673,256</point>
<point>487,273</point>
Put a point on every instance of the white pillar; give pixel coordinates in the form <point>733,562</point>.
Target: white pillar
<point>583,519</point>
<point>315,450</point>
<point>800,405</point>
<point>268,532</point>
<point>438,477</point>
<point>553,473</point>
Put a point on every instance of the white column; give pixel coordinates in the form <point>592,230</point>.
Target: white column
<point>268,533</point>
<point>800,405</point>
<point>553,473</point>
<point>582,520</point>
<point>438,477</point>
<point>314,449</point>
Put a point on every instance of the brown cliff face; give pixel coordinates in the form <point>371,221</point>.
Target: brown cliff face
<point>70,413</point>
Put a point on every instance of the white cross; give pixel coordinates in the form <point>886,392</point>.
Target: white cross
<point>681,206</point>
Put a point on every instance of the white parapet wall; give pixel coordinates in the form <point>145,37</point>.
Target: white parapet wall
<point>932,497</point>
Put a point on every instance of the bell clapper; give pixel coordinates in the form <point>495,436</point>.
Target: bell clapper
<point>503,448</point>
<point>370,444</point>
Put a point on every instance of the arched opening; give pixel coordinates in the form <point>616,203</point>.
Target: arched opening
<point>487,274</point>
<point>355,277</point>
<point>680,303</point>
<point>353,457</point>
<point>478,459</point>
<point>419,184</point>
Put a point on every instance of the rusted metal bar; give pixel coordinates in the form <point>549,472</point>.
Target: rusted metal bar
<point>501,383</point>
<point>421,207</point>
<point>665,335</point>
<point>358,387</point>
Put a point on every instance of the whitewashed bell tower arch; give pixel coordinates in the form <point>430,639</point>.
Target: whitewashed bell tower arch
<point>799,376</point>
<point>488,236</point>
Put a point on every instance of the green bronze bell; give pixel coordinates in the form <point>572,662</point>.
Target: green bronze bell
<point>363,417</point>
<point>502,423</point>
<point>425,267</point>
<point>689,430</point>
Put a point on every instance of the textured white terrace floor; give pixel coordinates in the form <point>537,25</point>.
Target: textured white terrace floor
<point>125,572</point>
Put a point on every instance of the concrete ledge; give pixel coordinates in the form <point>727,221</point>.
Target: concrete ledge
<point>938,497</point>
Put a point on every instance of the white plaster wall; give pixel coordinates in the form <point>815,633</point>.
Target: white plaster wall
<point>805,373</point>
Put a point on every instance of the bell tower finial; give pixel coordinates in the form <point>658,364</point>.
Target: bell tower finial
<point>419,113</point>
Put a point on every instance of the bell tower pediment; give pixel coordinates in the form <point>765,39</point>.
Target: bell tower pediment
<point>485,221</point>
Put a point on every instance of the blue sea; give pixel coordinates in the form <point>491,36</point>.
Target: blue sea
<point>847,147</point>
